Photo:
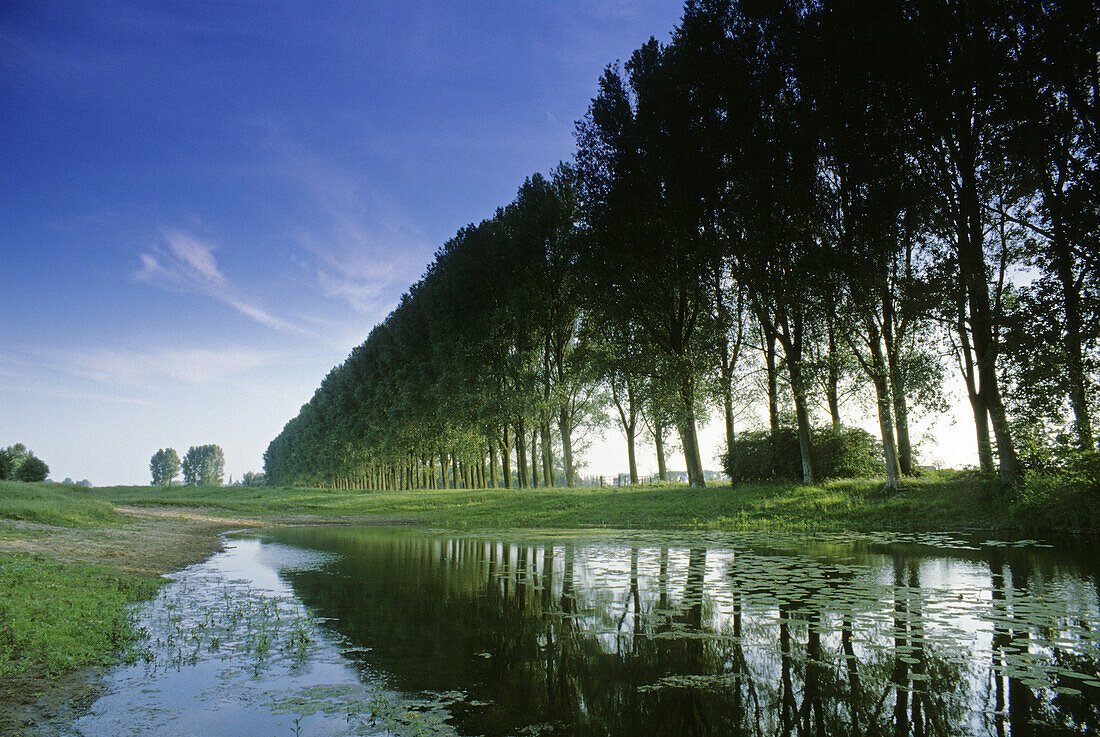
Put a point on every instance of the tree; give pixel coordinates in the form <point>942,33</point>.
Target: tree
<point>1055,147</point>
<point>15,455</point>
<point>961,81</point>
<point>646,260</point>
<point>7,466</point>
<point>204,465</point>
<point>32,469</point>
<point>253,479</point>
<point>760,170</point>
<point>164,465</point>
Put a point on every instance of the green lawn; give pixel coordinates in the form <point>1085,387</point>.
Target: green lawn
<point>946,500</point>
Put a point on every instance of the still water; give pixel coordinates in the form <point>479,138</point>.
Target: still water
<point>359,630</point>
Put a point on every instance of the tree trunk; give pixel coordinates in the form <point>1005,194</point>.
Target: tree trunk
<point>726,378</point>
<point>832,381</point>
<point>659,441</point>
<point>506,458</point>
<point>628,418</point>
<point>547,456</point>
<point>971,238</point>
<point>977,402</point>
<point>566,446</point>
<point>896,384</point>
<point>773,380</point>
<point>454,470</point>
<point>535,457</point>
<point>793,349</point>
<point>901,417</point>
<point>630,456</point>
<point>686,425</point>
<point>492,466</point>
<point>1072,341</point>
<point>878,374</point>
<point>522,479</point>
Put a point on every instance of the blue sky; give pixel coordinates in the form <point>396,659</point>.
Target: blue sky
<point>205,206</point>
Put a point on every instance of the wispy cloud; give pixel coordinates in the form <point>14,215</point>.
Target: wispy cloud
<point>365,267</point>
<point>184,263</point>
<point>189,366</point>
<point>362,248</point>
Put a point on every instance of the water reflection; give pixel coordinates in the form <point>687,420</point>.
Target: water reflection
<point>637,635</point>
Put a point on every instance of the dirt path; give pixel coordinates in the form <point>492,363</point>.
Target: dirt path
<point>152,541</point>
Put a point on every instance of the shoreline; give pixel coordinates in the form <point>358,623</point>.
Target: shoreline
<point>150,542</point>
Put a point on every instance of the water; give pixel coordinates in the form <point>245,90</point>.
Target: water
<point>346,630</point>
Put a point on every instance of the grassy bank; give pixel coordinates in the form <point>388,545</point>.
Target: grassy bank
<point>55,617</point>
<point>938,501</point>
<point>71,567</point>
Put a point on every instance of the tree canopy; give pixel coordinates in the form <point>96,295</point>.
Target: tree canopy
<point>164,466</point>
<point>203,465</point>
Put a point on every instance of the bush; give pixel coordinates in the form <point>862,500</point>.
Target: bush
<point>763,456</point>
<point>1062,499</point>
<point>33,469</point>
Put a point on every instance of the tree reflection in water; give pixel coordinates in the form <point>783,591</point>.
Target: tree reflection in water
<point>592,638</point>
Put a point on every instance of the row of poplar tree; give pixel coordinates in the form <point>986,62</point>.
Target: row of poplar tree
<point>804,203</point>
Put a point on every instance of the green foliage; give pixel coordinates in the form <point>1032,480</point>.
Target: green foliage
<point>1062,499</point>
<point>164,466</point>
<point>253,479</point>
<point>12,459</point>
<point>807,158</point>
<point>19,464</point>
<point>55,618</point>
<point>17,454</point>
<point>204,465</point>
<point>764,456</point>
<point>32,470</point>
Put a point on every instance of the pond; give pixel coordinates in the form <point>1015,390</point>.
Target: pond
<point>367,630</point>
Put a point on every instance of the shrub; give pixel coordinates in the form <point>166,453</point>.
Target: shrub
<point>764,456</point>
<point>32,469</point>
<point>1067,499</point>
<point>848,453</point>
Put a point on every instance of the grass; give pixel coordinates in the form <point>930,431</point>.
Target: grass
<point>937,501</point>
<point>56,618</point>
<point>63,505</point>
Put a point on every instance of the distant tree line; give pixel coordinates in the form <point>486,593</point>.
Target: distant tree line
<point>800,204</point>
<point>19,464</point>
<point>203,465</point>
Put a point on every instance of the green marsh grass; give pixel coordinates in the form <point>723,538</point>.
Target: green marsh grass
<point>55,618</point>
<point>63,505</point>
